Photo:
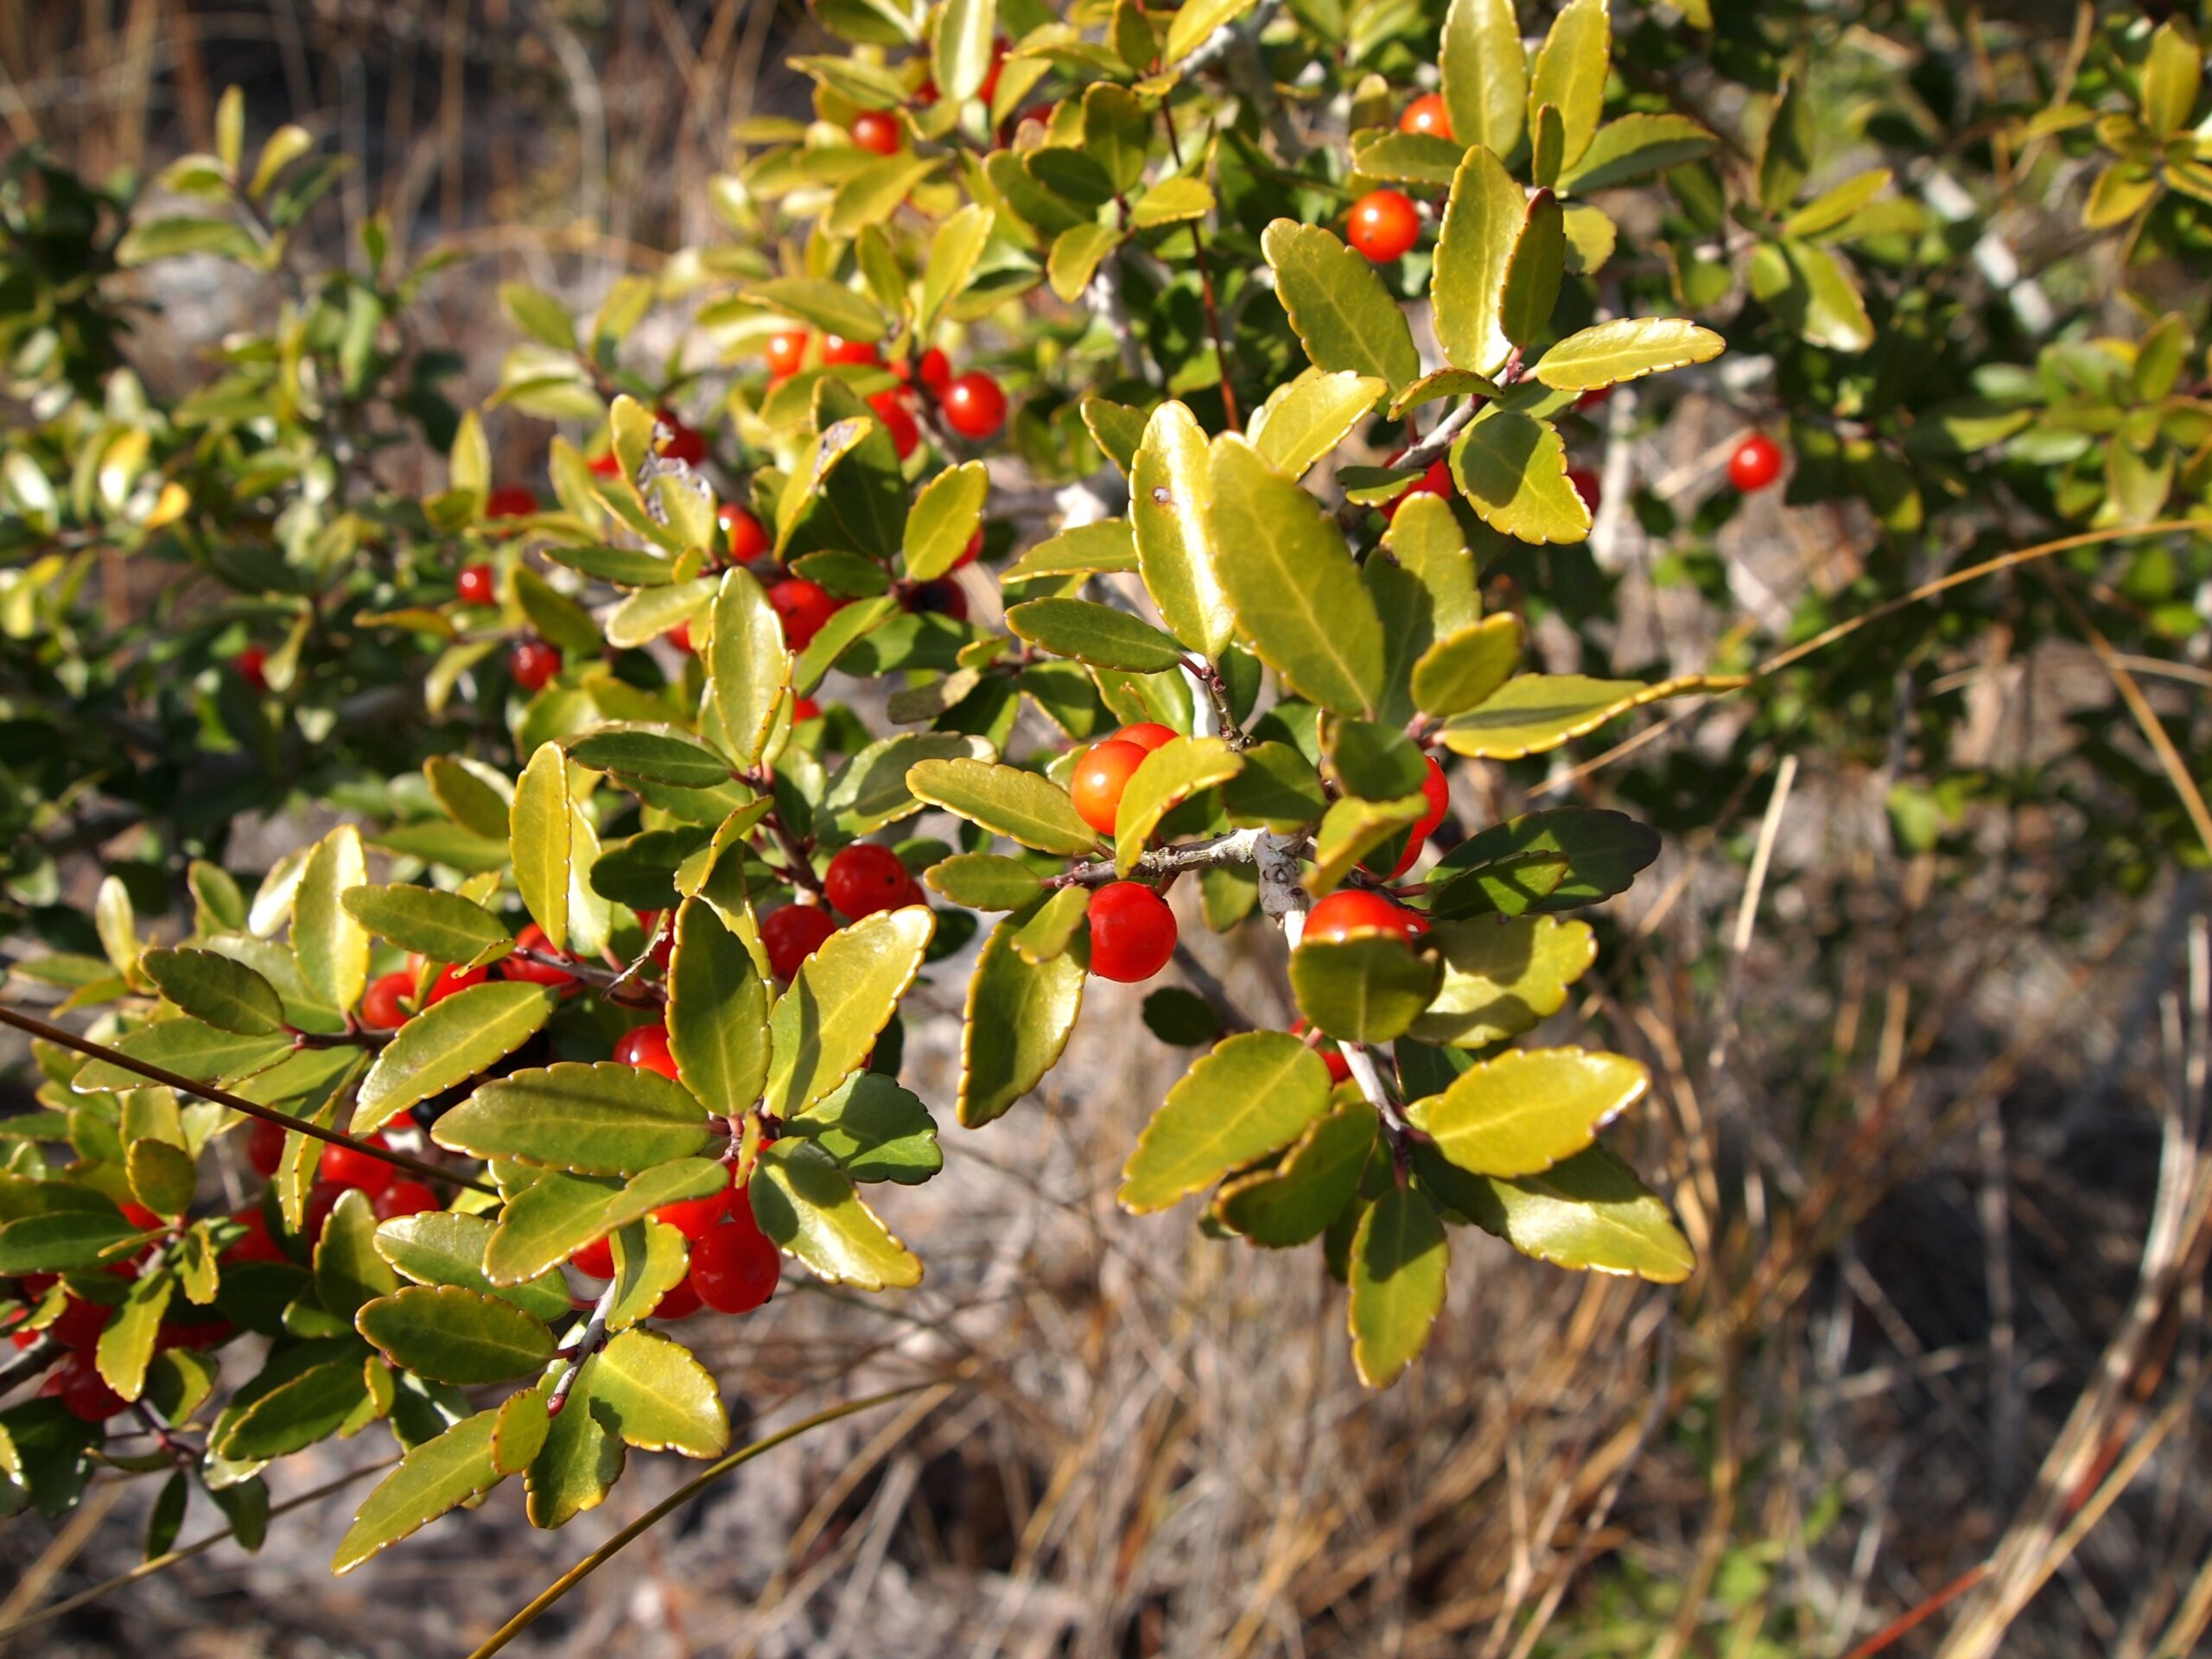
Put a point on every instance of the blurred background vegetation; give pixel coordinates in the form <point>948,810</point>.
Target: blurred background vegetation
<point>1925,985</point>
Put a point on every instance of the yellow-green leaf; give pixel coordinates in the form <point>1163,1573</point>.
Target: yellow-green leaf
<point>1467,665</point>
<point>1482,219</point>
<point>748,668</point>
<point>1016,1022</point>
<point>1571,69</point>
<point>437,1476</point>
<point>1502,976</point>
<point>1254,1094</point>
<point>842,997</point>
<point>1338,304</point>
<point>455,1335</point>
<point>1170,775</point>
<point>449,1043</point>
<point>601,1119</point>
<point>1310,416</point>
<point>332,947</point>
<point>1367,988</point>
<point>1533,712</point>
<point>810,1209</point>
<point>717,1012</point>
<point>1485,73</point>
<point>655,1394</point>
<point>1168,483</point>
<point>1625,349</point>
<point>1398,1260</point>
<point>1293,1201</point>
<point>539,841</point>
<point>1588,1212</point>
<point>1020,806</point>
<point>1512,468</point>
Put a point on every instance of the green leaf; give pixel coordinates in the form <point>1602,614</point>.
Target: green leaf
<point>1502,976</point>
<point>1350,829</point>
<point>808,1206</point>
<point>1533,712</point>
<point>748,668</point>
<point>1016,1022</point>
<point>185,1046</point>
<point>877,191</point>
<point>1408,158</point>
<point>456,1336</point>
<point>1291,580</point>
<point>437,1476</point>
<point>166,238</point>
<point>1634,146</point>
<point>1588,1212</point>
<point>557,617</point>
<point>664,1183</point>
<point>1193,23</point>
<point>579,1463</point>
<point>717,1012</point>
<point>1096,635</point>
<point>954,250</point>
<point>1254,1094</point>
<point>2172,76</point>
<point>1532,275</point>
<point>1626,349</point>
<point>449,1043</point>
<point>1570,72</point>
<point>1051,930</point>
<point>332,947</point>
<point>162,1177</point>
<point>946,514</point>
<point>1590,239</point>
<point>1168,776</point>
<point>1786,157</point>
<point>1483,220</point>
<point>1116,428</point>
<point>62,1242</point>
<point>348,1269</point>
<point>831,306</point>
<point>1526,1110</point>
<point>601,1119</point>
<point>842,997</point>
<point>292,1416</point>
<point>960,47</point>
<point>1278,787</point>
<point>651,1259</point>
<point>1108,545</point>
<point>1170,202</point>
<point>659,754</point>
<point>443,1247</point>
<point>540,839</point>
<point>1398,1260</point>
<point>1168,478</point>
<point>126,1342</point>
<point>1310,416</point>
<point>1020,806</point>
<point>874,1128</point>
<point>521,1432</point>
<point>1343,314</point>
<point>1604,850</point>
<point>1512,468</point>
<point>545,1224</point>
<point>539,314</point>
<point>1485,73</point>
<point>1075,256</point>
<point>869,790</point>
<point>651,1391</point>
<point>1294,1202</point>
<point>1465,667</point>
<point>1376,762</point>
<point>439,926</point>
<point>1118,133</point>
<point>1807,289</point>
<point>985,880</point>
<point>1367,988</point>
<point>217,989</point>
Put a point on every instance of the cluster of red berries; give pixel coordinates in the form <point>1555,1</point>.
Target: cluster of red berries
<point>734,1266</point>
<point>973,404</point>
<point>76,1381</point>
<point>1132,930</point>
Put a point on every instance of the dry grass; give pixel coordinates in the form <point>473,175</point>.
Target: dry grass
<point>1937,1137</point>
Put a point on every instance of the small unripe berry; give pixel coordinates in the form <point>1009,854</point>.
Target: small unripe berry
<point>478,584</point>
<point>1384,226</point>
<point>1132,932</point>
<point>793,934</point>
<point>534,663</point>
<point>1428,113</point>
<point>1100,777</point>
<point>380,1009</point>
<point>863,879</point>
<point>877,130</point>
<point>975,406</point>
<point>645,1047</point>
<point>805,606</point>
<point>1756,463</point>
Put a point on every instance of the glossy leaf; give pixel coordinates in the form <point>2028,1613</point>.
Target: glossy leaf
<point>448,1043</point>
<point>1366,988</point>
<point>1276,786</point>
<point>985,880</point>
<point>1536,712</point>
<point>603,1119</point>
<point>1343,314</point>
<point>748,668</point>
<point>1254,1094</point>
<point>545,1224</point>
<point>1398,1260</point>
<point>1296,1200</point>
<point>437,925</point>
<point>1020,806</point>
<point>1570,72</point>
<point>1017,1020</point>
<point>876,1130</point>
<point>437,1476</point>
<point>1310,416</point>
<point>1625,349</point>
<point>224,993</point>
<point>1501,976</point>
<point>946,512</point>
<point>1589,1212</point>
<point>1486,71</point>
<point>842,997</point>
<point>1467,666</point>
<point>717,1012</point>
<point>1633,147</point>
<point>1605,851</point>
<point>1526,1110</point>
<point>1482,221</point>
<point>808,1206</point>
<point>1099,635</point>
<point>332,947</point>
<point>443,1247</point>
<point>651,1391</point>
<point>539,841</point>
<point>1168,484</point>
<point>1512,468</point>
<point>1170,775</point>
<point>452,1335</point>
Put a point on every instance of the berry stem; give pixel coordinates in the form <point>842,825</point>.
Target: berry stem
<point>1217,693</point>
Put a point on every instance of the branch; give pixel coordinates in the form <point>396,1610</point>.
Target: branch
<point>1238,847</point>
<point>588,1343</point>
<point>69,1039</point>
<point>1217,690</point>
<point>1420,454</point>
<point>38,1357</point>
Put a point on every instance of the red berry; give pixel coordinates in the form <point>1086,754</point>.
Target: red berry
<point>793,934</point>
<point>1594,398</point>
<point>646,1048</point>
<point>450,980</point>
<point>805,606</point>
<point>735,1266</point>
<point>1756,463</point>
<point>680,1302</point>
<point>1132,932</point>
<point>939,597</point>
<point>1384,226</point>
<point>1332,1056</point>
<point>925,94</point>
<point>193,1333</point>
<point>478,584</point>
<point>256,1245</point>
<point>1436,481</point>
<point>252,665</point>
<point>322,1198</point>
<point>805,709</point>
<point>664,945</point>
<point>864,878</point>
<point>1100,778</point>
<point>682,443</point>
<point>975,406</point>
<point>343,1167</point>
<point>878,131</point>
<point>265,1147</point>
<point>746,539</point>
<point>596,1258</point>
<point>380,1009</point>
<point>533,663</point>
<point>934,370</point>
<point>835,348</point>
<point>606,465</point>
<point>1428,113</point>
<point>989,90</point>
<point>898,420</point>
<point>786,352</point>
<point>1586,485</point>
<point>510,501</point>
<point>77,1382</point>
<point>405,1198</point>
<point>1147,735</point>
<point>695,1218</point>
<point>680,637</point>
<point>139,1215</point>
<point>532,938</point>
<point>1439,791</point>
<point>1356,910</point>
